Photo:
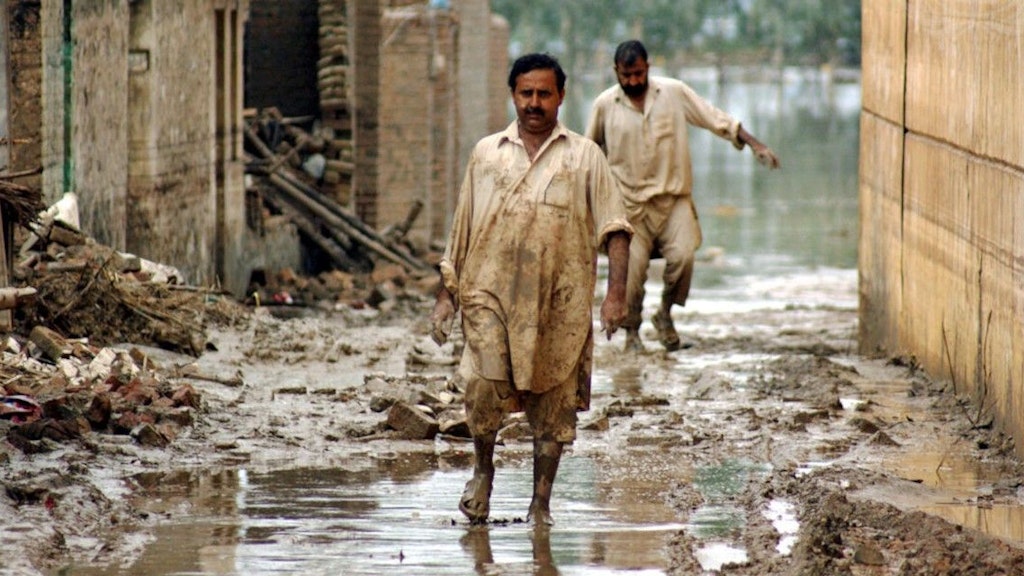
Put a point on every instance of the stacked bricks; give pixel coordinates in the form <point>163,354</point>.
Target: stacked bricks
<point>334,75</point>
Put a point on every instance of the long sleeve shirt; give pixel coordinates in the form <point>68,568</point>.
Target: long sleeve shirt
<point>524,244</point>
<point>649,149</point>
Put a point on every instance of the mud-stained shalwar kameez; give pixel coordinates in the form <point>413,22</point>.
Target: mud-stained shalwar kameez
<point>521,261</point>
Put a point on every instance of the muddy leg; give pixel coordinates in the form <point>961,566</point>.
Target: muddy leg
<point>476,499</point>
<point>546,456</point>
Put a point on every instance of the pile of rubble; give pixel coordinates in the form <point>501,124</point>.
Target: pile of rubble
<point>103,390</point>
<point>66,370</point>
<point>288,165</point>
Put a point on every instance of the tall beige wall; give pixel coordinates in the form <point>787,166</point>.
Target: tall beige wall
<point>942,194</point>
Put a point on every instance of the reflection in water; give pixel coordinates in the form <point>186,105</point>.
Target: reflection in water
<point>1005,522</point>
<point>477,543</point>
<point>399,516</point>
<point>720,522</point>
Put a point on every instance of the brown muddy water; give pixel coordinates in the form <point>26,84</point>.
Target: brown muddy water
<point>397,518</point>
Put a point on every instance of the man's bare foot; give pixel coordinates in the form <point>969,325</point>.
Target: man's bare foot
<point>475,503</point>
<point>539,515</point>
<point>633,343</point>
<point>667,334</point>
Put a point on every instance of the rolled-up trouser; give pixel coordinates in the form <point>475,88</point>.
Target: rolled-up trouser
<point>665,226</point>
<point>491,394</point>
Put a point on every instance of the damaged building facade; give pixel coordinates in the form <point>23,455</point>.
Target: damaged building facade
<point>412,88</point>
<point>138,107</point>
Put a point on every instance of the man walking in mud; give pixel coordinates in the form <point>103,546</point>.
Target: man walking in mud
<point>641,124</point>
<point>537,204</point>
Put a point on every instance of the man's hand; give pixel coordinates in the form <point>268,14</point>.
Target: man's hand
<point>613,309</point>
<point>613,313</point>
<point>765,156</point>
<point>442,318</point>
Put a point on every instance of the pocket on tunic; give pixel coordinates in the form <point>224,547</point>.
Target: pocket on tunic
<point>663,127</point>
<point>559,191</point>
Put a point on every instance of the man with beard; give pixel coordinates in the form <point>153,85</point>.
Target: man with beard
<point>537,204</point>
<point>641,124</point>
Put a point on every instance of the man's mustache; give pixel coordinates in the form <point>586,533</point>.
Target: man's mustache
<point>529,110</point>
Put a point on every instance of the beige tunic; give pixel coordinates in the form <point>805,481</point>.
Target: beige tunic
<point>649,149</point>
<point>523,250</point>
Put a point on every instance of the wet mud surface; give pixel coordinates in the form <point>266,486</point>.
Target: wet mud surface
<point>769,447</point>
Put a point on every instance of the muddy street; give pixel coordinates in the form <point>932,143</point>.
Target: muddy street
<point>769,447</point>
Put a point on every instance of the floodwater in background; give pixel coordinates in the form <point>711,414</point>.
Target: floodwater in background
<point>761,228</point>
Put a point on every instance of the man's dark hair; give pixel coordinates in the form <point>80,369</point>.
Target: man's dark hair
<point>531,62</point>
<point>629,52</point>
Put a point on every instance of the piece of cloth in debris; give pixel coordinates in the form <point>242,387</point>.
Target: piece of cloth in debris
<point>522,255</point>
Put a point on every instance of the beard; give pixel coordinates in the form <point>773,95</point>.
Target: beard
<point>634,90</point>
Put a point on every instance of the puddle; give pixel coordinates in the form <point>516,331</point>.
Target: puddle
<point>1001,521</point>
<point>718,555</point>
<point>782,515</point>
<point>398,517</point>
<point>965,482</point>
<point>719,523</point>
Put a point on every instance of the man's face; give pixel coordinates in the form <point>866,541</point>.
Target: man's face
<point>537,99</point>
<point>632,77</point>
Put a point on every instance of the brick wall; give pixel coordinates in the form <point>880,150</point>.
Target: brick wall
<point>418,117</point>
<point>365,17</point>
<point>26,87</point>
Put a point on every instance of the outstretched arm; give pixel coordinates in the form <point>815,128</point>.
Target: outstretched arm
<point>765,156</point>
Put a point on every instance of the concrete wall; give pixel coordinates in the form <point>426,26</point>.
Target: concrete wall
<point>942,194</point>
<point>474,74</point>
<point>498,94</point>
<point>184,127</point>
<point>98,139</point>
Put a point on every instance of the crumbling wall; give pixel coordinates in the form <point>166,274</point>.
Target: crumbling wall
<point>942,195</point>
<point>418,107</point>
